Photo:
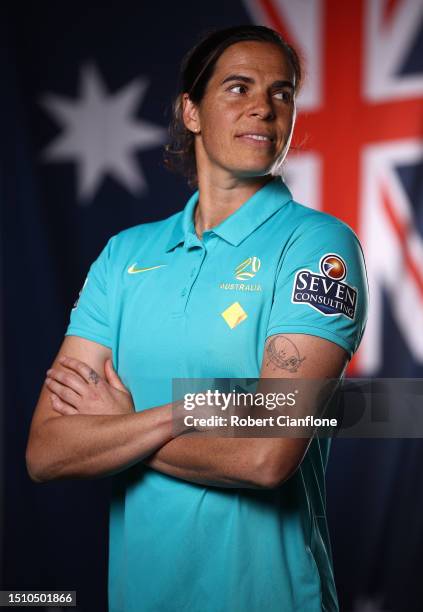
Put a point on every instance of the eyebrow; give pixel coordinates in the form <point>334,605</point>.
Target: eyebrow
<point>245,79</point>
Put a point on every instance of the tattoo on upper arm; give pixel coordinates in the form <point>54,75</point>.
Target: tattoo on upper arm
<point>283,354</point>
<point>93,376</point>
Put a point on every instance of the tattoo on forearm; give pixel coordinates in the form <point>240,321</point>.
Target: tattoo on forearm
<point>283,354</point>
<point>94,377</point>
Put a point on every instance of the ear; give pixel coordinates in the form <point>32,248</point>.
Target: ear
<point>190,114</point>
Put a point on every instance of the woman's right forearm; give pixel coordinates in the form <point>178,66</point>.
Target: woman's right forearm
<point>85,446</point>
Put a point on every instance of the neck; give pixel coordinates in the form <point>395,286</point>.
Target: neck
<point>220,198</point>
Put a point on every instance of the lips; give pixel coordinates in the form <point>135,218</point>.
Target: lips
<point>256,137</point>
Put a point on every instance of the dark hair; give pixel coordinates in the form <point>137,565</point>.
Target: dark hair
<point>196,70</point>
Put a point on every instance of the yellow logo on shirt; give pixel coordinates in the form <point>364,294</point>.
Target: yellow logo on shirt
<point>248,268</point>
<point>134,270</point>
<point>244,271</point>
<point>234,315</point>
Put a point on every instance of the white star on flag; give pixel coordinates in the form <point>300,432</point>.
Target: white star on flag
<point>101,133</point>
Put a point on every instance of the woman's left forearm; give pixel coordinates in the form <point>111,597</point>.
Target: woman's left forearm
<point>215,461</point>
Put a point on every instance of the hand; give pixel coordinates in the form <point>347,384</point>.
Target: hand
<point>80,390</point>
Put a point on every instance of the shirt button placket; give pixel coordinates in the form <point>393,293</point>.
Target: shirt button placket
<point>200,254</point>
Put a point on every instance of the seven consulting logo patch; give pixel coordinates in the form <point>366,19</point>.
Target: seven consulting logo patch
<point>326,292</point>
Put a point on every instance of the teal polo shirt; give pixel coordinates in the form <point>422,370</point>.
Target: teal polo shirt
<point>170,305</point>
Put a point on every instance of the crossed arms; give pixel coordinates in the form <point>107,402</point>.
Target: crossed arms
<point>85,425</point>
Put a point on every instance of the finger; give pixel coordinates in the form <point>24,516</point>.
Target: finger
<point>83,369</point>
<point>60,406</point>
<point>112,378</point>
<point>69,379</point>
<point>63,393</point>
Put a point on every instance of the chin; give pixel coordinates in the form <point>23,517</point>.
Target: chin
<point>255,167</point>
<point>252,171</point>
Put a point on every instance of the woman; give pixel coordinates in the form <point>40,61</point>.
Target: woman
<point>244,282</point>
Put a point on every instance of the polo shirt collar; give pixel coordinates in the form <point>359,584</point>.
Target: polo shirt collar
<point>240,224</point>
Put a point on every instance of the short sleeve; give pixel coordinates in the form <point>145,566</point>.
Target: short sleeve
<point>90,315</point>
<point>321,288</point>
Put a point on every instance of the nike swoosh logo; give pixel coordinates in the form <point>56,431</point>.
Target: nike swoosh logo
<point>134,270</point>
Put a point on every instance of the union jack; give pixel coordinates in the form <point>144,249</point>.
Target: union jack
<point>360,120</point>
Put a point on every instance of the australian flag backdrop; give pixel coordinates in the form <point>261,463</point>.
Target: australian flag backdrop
<point>85,95</point>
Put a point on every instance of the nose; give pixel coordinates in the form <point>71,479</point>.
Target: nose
<point>262,107</point>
